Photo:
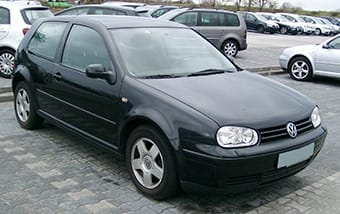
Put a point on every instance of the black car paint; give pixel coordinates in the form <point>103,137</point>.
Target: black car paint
<point>188,110</point>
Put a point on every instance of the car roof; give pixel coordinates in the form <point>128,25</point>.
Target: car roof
<point>97,6</point>
<point>21,4</point>
<point>111,22</point>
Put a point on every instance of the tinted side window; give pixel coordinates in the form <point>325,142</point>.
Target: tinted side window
<point>159,12</point>
<point>84,47</point>
<point>209,19</point>
<point>231,20</point>
<point>4,16</point>
<point>45,40</point>
<point>251,18</point>
<point>104,11</point>
<point>189,19</point>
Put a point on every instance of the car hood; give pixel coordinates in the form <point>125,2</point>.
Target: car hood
<point>239,98</point>
<point>302,49</point>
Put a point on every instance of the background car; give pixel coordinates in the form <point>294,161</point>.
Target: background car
<point>320,28</point>
<point>333,20</point>
<point>226,30</point>
<point>97,9</point>
<point>308,28</point>
<point>285,26</point>
<point>167,101</point>
<point>133,5</point>
<point>257,22</point>
<point>303,62</point>
<point>16,17</point>
<point>154,10</point>
<point>335,28</point>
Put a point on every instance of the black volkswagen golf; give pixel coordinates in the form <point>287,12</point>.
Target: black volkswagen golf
<point>162,97</point>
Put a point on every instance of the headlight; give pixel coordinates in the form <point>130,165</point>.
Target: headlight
<point>233,136</point>
<point>316,118</point>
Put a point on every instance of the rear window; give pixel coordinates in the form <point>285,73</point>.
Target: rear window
<point>32,14</point>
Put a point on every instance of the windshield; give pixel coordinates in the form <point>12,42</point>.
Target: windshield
<point>32,14</point>
<point>300,19</point>
<point>265,16</point>
<point>167,52</point>
<point>282,18</point>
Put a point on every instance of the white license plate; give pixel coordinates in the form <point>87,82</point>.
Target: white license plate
<point>290,158</point>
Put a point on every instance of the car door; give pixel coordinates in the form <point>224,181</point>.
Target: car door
<point>209,25</point>
<point>327,57</point>
<point>86,105</point>
<point>4,22</point>
<point>251,21</point>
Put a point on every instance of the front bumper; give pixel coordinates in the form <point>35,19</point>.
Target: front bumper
<point>210,174</point>
<point>283,60</point>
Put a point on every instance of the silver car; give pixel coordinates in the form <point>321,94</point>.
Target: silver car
<point>225,29</point>
<point>303,62</point>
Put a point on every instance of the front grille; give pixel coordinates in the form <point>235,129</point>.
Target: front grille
<point>278,132</point>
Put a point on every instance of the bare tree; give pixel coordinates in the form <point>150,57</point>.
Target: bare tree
<point>238,4</point>
<point>249,3</point>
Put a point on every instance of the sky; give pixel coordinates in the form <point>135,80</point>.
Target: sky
<point>328,5</point>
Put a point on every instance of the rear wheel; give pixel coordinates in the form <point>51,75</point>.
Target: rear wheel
<point>7,57</point>
<point>151,164</point>
<point>230,48</point>
<point>25,107</point>
<point>283,30</point>
<point>260,29</point>
<point>300,69</point>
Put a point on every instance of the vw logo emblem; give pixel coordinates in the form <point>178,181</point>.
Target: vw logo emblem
<point>291,129</point>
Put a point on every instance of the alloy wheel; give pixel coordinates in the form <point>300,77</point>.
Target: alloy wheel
<point>147,163</point>
<point>230,49</point>
<point>22,103</point>
<point>6,63</point>
<point>300,70</point>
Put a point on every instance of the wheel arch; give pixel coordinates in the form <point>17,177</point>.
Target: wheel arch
<point>21,73</point>
<point>307,57</point>
<point>7,48</point>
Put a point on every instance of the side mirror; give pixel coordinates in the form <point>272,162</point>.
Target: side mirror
<point>326,46</point>
<point>99,71</point>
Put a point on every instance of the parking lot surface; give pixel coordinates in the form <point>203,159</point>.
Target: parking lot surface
<point>50,171</point>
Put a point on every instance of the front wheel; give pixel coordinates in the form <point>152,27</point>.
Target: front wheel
<point>283,30</point>
<point>6,63</point>
<point>318,32</point>
<point>151,164</point>
<point>300,69</point>
<point>25,107</point>
<point>230,48</point>
<point>260,29</point>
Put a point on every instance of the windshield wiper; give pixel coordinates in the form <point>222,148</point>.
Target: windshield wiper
<point>161,76</point>
<point>209,71</point>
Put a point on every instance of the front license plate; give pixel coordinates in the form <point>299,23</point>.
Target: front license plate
<point>290,158</point>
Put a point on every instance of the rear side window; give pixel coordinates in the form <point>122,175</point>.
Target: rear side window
<point>32,14</point>
<point>46,39</point>
<point>4,16</point>
<point>104,11</point>
<point>84,47</point>
<point>230,20</point>
<point>209,19</point>
<point>189,19</point>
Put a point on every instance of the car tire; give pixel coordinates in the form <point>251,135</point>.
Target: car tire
<point>151,164</point>
<point>230,48</point>
<point>25,107</point>
<point>7,57</point>
<point>283,30</point>
<point>318,32</point>
<point>300,69</point>
<point>260,29</point>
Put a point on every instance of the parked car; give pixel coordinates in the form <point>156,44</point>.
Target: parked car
<point>226,30</point>
<point>308,28</point>
<point>257,22</point>
<point>304,62</point>
<point>165,99</point>
<point>154,11</point>
<point>97,9</point>
<point>16,18</point>
<point>133,5</point>
<point>320,28</point>
<point>335,28</point>
<point>333,20</point>
<point>285,26</point>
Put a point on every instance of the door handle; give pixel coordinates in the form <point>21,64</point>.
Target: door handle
<point>57,76</point>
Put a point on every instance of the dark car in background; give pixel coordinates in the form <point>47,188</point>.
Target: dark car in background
<point>285,26</point>
<point>257,22</point>
<point>333,20</point>
<point>97,9</point>
<point>225,29</point>
<point>161,96</point>
<point>154,11</point>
